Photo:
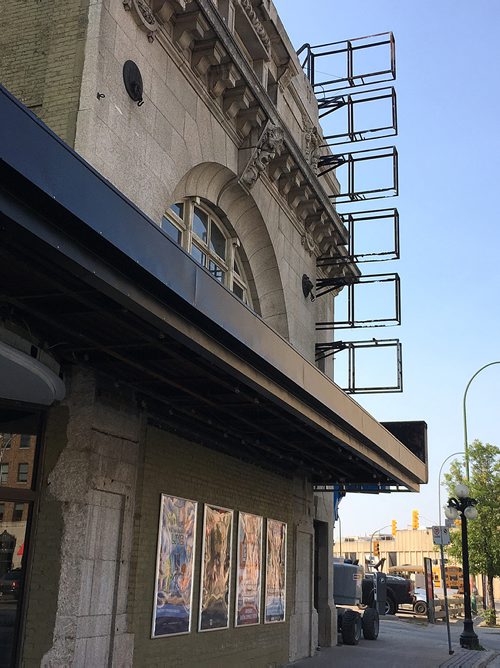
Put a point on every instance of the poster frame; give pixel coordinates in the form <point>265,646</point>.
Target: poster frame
<point>261,570</point>
<point>202,564</point>
<point>163,497</point>
<point>276,621</point>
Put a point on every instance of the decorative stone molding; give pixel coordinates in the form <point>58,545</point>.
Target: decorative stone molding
<point>205,54</point>
<point>236,99</point>
<point>256,23</point>
<point>312,143</point>
<point>293,179</point>
<point>270,144</point>
<point>143,16</point>
<point>189,27</point>
<point>250,118</point>
<point>221,77</point>
<point>286,78</point>
<point>307,241</point>
<point>164,9</point>
<point>281,165</point>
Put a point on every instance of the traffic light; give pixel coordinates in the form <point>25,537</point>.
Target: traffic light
<point>376,548</point>
<point>394,527</point>
<point>414,519</point>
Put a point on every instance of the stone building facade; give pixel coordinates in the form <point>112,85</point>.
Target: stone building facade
<point>156,337</point>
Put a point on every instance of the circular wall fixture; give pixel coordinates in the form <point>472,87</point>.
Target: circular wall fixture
<point>23,378</point>
<point>133,81</point>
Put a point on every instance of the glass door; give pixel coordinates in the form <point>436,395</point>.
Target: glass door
<point>19,445</point>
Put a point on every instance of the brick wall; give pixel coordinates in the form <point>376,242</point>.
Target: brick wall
<point>174,466</point>
<point>41,57</point>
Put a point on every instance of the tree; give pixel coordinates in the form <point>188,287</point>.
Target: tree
<point>483,532</point>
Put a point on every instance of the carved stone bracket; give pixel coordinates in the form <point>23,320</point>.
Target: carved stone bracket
<point>250,118</point>
<point>143,16</point>
<point>164,9</point>
<point>221,77</point>
<point>270,145</point>
<point>189,27</point>
<point>307,240</point>
<point>235,99</point>
<point>286,76</point>
<point>280,166</point>
<point>312,143</point>
<point>289,181</point>
<point>205,54</point>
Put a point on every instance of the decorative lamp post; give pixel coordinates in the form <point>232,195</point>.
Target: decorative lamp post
<point>463,506</point>
<point>466,441</point>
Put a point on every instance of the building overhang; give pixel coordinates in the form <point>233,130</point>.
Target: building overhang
<point>102,285</point>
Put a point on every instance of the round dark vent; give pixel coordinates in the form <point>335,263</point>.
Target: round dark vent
<point>133,81</point>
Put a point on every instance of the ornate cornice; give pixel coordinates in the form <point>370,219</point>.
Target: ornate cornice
<point>256,23</point>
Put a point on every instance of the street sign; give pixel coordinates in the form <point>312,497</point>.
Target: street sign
<point>441,535</point>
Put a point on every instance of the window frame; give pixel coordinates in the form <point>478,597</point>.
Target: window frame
<point>231,265</point>
<point>23,464</point>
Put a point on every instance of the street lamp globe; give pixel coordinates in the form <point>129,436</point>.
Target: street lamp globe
<point>450,512</point>
<point>470,513</point>
<point>462,491</point>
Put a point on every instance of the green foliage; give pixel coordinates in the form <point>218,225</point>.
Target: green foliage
<point>489,617</point>
<point>484,486</point>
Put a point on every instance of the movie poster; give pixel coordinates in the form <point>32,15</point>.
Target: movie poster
<point>216,568</point>
<point>275,572</point>
<point>174,567</point>
<point>248,581</point>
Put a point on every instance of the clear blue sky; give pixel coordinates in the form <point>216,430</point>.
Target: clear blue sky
<point>448,87</point>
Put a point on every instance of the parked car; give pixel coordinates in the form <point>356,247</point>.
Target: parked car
<point>399,592</point>
<point>420,604</point>
<point>10,583</point>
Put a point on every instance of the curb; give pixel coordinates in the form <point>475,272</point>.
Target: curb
<point>467,658</point>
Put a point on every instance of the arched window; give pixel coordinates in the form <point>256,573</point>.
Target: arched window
<point>201,232</point>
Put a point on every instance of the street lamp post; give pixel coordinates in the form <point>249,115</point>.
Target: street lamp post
<point>371,537</point>
<point>466,443</point>
<point>462,505</point>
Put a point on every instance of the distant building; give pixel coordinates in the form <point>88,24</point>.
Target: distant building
<point>161,230</point>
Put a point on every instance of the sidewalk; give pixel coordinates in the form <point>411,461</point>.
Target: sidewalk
<point>406,641</point>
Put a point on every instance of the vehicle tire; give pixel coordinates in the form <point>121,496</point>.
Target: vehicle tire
<point>351,627</point>
<point>420,608</point>
<point>370,623</point>
<point>390,606</point>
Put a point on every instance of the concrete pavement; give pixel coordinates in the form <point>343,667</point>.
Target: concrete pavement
<point>408,641</point>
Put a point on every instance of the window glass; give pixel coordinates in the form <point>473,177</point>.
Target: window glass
<point>22,472</point>
<point>4,473</point>
<point>25,441</point>
<point>216,271</point>
<point>238,291</point>
<point>172,230</point>
<point>17,512</point>
<point>198,230</point>
<point>198,255</point>
<point>12,537</point>
<point>200,224</point>
<point>217,241</point>
<point>178,209</point>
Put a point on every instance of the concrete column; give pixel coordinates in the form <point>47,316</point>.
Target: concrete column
<point>94,482</point>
